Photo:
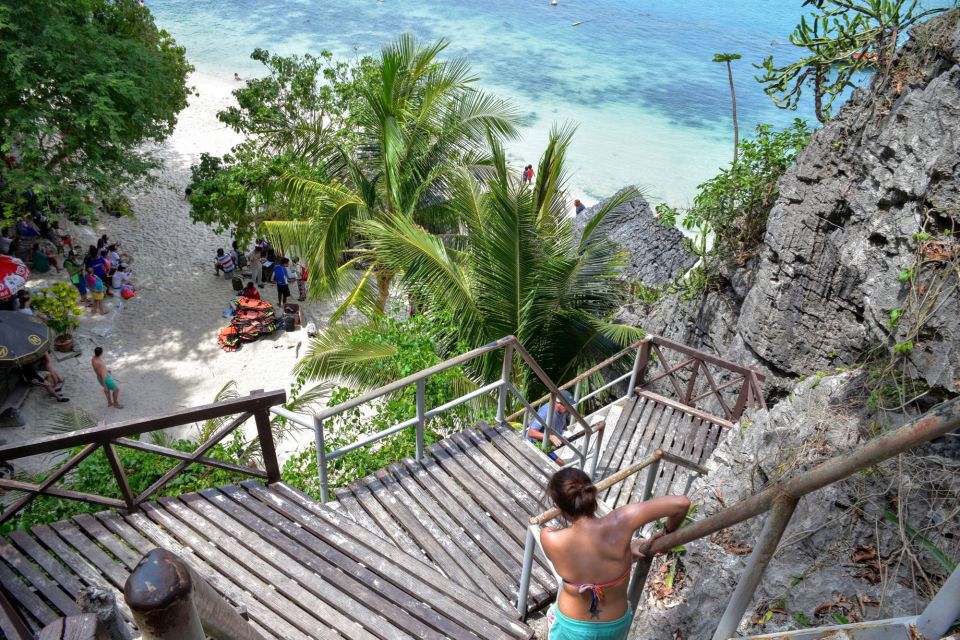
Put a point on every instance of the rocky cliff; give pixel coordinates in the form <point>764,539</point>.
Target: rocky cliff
<point>850,551</point>
<point>861,247</point>
<point>655,254</point>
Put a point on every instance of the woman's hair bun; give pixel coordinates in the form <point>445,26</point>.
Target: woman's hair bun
<point>573,493</point>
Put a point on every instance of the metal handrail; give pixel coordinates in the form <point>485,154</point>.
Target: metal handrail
<point>781,499</point>
<point>504,387</point>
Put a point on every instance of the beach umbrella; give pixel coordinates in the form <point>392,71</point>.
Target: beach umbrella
<point>13,276</point>
<point>23,338</point>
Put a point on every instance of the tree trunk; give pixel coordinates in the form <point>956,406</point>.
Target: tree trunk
<point>736,126</point>
<point>383,289</point>
<point>818,77</point>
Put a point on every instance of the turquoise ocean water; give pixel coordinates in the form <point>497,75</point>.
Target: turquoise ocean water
<point>636,75</point>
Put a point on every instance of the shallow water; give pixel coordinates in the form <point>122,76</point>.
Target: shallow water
<point>635,75</point>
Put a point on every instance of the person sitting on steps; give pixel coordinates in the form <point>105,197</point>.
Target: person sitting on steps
<point>594,556</point>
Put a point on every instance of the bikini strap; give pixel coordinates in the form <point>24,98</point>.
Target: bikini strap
<point>596,590</point>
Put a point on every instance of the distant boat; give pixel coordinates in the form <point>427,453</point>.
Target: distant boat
<point>577,23</point>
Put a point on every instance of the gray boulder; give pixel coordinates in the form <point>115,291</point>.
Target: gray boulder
<point>655,251</point>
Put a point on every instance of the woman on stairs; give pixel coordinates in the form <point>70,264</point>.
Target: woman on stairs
<point>594,556</point>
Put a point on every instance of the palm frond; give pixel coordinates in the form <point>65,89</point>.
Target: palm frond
<point>342,353</point>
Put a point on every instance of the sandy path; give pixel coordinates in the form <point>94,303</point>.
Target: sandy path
<point>161,345</point>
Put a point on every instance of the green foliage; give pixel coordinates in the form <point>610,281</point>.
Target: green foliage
<point>517,268</point>
<point>301,109</point>
<point>371,355</point>
<point>903,348</point>
<point>839,39</point>
<point>895,315</point>
<point>942,558</point>
<point>94,475</point>
<point>58,306</point>
<point>83,85</point>
<point>419,120</point>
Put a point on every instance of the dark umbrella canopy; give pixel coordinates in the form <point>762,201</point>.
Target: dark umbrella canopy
<point>23,338</point>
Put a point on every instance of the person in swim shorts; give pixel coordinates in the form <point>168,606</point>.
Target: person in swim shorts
<point>594,556</point>
<point>105,377</point>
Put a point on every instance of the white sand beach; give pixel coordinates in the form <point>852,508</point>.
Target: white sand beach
<point>162,344</point>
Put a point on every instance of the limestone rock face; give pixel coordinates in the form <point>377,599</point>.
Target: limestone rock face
<point>840,254</point>
<point>656,256</point>
<point>843,229</point>
<point>826,562</point>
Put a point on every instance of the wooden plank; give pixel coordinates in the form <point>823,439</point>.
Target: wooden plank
<point>482,529</point>
<point>109,567</point>
<point>632,487</point>
<point>131,536</point>
<point>28,545</point>
<point>50,589</point>
<point>83,627</point>
<point>25,598</point>
<point>473,559</point>
<point>337,556</point>
<point>506,439</point>
<point>233,593</point>
<point>309,564</point>
<point>53,631</point>
<point>633,428</point>
<point>352,507</point>
<point>12,625</point>
<point>501,523</point>
<point>476,613</point>
<point>183,455</point>
<point>521,494</point>
<point>702,355</point>
<point>305,624</point>
<point>109,541</point>
<point>640,430</point>
<point>519,472</point>
<point>263,559</point>
<point>682,407</point>
<point>422,537</point>
<point>605,466</point>
<point>78,564</point>
<point>386,523</point>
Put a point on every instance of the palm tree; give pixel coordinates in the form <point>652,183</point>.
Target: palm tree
<point>517,268</point>
<point>728,58</point>
<point>419,121</point>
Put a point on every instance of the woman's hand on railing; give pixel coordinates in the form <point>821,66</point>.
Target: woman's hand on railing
<point>640,546</point>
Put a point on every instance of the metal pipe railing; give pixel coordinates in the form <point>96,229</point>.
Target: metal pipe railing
<point>502,387</point>
<point>781,499</point>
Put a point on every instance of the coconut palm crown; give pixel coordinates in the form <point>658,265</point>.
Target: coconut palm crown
<point>420,120</point>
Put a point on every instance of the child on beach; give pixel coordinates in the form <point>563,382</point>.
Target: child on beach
<point>105,377</point>
<point>97,291</point>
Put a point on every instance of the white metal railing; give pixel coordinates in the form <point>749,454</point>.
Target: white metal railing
<point>503,387</point>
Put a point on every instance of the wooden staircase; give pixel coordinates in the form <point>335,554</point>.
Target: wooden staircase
<point>301,570</point>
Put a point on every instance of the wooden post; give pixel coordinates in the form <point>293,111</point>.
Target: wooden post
<point>101,603</point>
<point>270,463</point>
<point>120,475</point>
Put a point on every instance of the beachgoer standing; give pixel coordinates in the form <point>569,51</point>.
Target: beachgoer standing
<point>594,556</point>
<point>75,270</point>
<point>255,262</point>
<point>579,206</point>
<point>280,277</point>
<point>301,272</point>
<point>110,387</point>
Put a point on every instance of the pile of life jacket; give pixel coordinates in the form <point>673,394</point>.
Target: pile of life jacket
<point>253,318</point>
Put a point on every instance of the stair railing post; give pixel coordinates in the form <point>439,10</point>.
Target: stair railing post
<point>321,459</point>
<point>505,379</point>
<point>652,472</point>
<point>548,428</point>
<point>639,367</point>
<point>421,418</point>
<point>525,573</point>
<point>776,523</point>
<point>265,434</point>
<point>942,610</point>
